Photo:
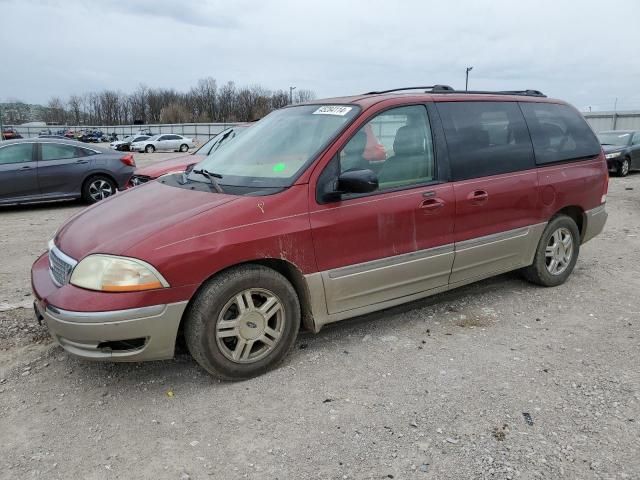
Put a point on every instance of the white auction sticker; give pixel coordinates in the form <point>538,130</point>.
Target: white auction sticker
<point>333,110</point>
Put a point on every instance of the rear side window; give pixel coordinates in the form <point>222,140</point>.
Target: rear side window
<point>485,138</point>
<point>55,151</point>
<point>559,133</point>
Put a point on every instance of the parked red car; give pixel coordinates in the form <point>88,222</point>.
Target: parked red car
<point>10,133</point>
<point>181,163</point>
<point>287,227</point>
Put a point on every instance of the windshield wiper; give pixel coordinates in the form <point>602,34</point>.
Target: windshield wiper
<point>211,177</point>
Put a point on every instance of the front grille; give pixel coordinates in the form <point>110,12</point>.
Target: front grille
<point>60,266</point>
<point>139,179</point>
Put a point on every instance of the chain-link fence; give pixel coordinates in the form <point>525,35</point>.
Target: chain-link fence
<point>201,132</point>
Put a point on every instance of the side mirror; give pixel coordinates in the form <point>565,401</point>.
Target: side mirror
<point>357,181</point>
<point>353,181</point>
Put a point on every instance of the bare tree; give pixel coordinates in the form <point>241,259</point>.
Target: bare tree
<point>174,113</point>
<point>205,102</point>
<point>75,108</point>
<point>55,111</point>
<point>304,95</point>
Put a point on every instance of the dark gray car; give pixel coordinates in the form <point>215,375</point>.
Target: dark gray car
<point>41,169</point>
<point>621,149</point>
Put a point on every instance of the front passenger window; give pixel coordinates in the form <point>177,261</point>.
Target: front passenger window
<point>397,145</point>
<point>18,153</point>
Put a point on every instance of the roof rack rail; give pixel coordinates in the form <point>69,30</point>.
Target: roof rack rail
<point>433,88</point>
<point>528,92</point>
<point>448,89</point>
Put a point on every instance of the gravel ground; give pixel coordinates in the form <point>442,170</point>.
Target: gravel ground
<point>497,380</point>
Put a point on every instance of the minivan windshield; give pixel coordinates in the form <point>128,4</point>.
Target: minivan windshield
<point>274,150</point>
<point>222,138</point>
<point>620,139</point>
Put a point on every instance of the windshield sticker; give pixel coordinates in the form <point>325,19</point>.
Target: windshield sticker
<point>333,110</point>
<point>624,135</point>
<point>279,167</point>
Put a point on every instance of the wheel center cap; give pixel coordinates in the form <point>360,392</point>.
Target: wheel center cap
<point>252,325</point>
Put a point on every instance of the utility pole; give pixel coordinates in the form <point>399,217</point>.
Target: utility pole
<point>291,89</point>
<point>466,81</point>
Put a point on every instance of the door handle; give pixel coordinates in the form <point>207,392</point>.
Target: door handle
<point>82,161</point>
<point>26,167</point>
<point>431,205</point>
<point>478,197</point>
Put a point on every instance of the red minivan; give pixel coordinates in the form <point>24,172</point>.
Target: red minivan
<point>289,226</point>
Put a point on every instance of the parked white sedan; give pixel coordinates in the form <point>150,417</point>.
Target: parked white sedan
<point>167,142</point>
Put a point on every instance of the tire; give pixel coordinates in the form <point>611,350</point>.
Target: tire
<point>149,149</point>
<point>623,167</point>
<point>184,147</point>
<point>224,332</point>
<point>541,271</point>
<point>98,188</point>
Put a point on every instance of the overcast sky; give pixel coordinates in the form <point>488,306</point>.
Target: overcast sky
<point>586,52</point>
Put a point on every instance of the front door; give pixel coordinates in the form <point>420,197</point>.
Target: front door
<point>18,177</point>
<point>396,241</point>
<point>635,150</point>
<point>495,184</point>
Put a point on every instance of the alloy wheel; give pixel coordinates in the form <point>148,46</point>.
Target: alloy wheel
<point>559,251</point>
<point>250,325</point>
<point>624,168</point>
<point>100,189</point>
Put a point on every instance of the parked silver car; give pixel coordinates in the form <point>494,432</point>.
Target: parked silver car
<point>42,169</point>
<point>167,141</point>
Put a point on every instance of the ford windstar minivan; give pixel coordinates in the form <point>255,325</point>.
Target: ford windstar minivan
<point>290,226</point>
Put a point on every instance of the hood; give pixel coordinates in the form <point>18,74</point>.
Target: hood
<point>118,223</point>
<point>166,166</point>
<point>612,148</point>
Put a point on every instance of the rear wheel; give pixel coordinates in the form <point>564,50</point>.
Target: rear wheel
<point>623,167</point>
<point>149,149</point>
<point>98,188</point>
<point>557,253</point>
<point>243,322</point>
<point>184,147</point>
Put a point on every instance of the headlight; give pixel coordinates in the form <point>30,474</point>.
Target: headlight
<point>108,273</point>
<point>612,155</point>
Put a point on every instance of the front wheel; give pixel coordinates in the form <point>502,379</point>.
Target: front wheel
<point>149,149</point>
<point>243,322</point>
<point>623,167</point>
<point>557,253</point>
<point>184,147</point>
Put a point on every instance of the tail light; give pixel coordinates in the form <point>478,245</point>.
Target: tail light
<point>605,190</point>
<point>128,160</point>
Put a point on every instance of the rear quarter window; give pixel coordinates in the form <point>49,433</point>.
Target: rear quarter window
<point>485,138</point>
<point>559,133</point>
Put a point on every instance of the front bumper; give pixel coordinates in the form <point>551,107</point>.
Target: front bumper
<point>122,326</point>
<point>596,219</point>
<point>140,334</point>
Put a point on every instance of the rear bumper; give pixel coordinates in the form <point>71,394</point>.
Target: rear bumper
<point>139,334</point>
<point>596,219</point>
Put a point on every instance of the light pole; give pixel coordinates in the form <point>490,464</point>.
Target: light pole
<point>466,81</point>
<point>291,89</point>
